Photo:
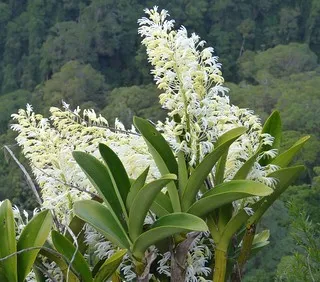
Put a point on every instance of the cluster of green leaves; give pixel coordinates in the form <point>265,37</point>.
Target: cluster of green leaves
<point>121,219</point>
<point>40,52</point>
<point>18,257</point>
<point>304,262</point>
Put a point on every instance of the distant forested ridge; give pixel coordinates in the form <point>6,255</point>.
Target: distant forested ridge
<point>88,53</point>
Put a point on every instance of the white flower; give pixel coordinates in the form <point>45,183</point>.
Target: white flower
<point>49,143</point>
<point>191,79</point>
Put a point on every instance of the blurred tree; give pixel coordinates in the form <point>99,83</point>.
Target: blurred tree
<point>126,102</point>
<point>300,103</point>
<point>280,61</point>
<point>9,104</point>
<point>76,84</point>
<point>67,41</point>
<point>304,263</point>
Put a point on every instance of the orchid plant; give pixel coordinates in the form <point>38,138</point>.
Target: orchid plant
<point>177,200</point>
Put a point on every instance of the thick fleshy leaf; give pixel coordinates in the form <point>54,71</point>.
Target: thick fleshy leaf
<point>116,169</point>
<point>286,157</point>
<point>258,247</point>
<point>162,155</point>
<point>102,219</point>
<point>136,186</point>
<point>60,261</point>
<point>202,171</point>
<point>110,266</point>
<point>226,193</point>
<point>263,236</point>
<point>272,126</point>
<point>285,177</point>
<point>235,223</point>
<point>220,168</point>
<point>8,267</point>
<point>183,172</point>
<point>39,276</point>
<point>244,170</point>
<point>33,235</point>
<point>100,177</point>
<point>259,241</point>
<point>142,203</point>
<point>73,256</point>
<point>76,225</point>
<point>161,205</point>
<point>166,227</point>
<point>165,159</point>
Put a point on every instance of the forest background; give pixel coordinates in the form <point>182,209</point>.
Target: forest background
<point>88,53</point>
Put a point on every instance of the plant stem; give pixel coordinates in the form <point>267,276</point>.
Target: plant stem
<point>220,266</point>
<point>244,253</point>
<point>246,245</point>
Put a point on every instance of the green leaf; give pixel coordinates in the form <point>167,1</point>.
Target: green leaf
<point>40,277</point>
<point>76,225</point>
<point>244,170</point>
<point>8,267</point>
<point>59,260</point>
<point>162,155</point>
<point>100,177</point>
<point>273,127</point>
<point>220,168</point>
<point>226,193</point>
<point>142,203</point>
<point>166,227</point>
<point>183,172</point>
<point>284,177</point>
<point>286,157</point>
<point>258,247</point>
<point>33,235</point>
<point>161,206</point>
<point>66,248</point>
<point>102,219</point>
<point>110,266</point>
<point>234,224</point>
<point>261,237</point>
<point>259,241</point>
<point>116,169</point>
<point>136,186</point>
<point>202,171</point>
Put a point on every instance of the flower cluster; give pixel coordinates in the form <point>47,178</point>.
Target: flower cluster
<point>198,107</point>
<point>199,112</point>
<point>49,143</point>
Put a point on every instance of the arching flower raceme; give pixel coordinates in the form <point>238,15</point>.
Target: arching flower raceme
<point>49,143</point>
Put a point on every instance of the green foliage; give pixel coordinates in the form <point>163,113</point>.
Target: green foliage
<point>110,266</point>
<point>303,264</point>
<point>8,268</point>
<point>9,104</point>
<point>284,77</point>
<point>75,83</point>
<point>62,46</point>
<point>126,102</point>
<point>18,265</point>
<point>122,219</point>
<point>34,234</point>
<point>65,247</point>
<point>280,61</point>
<point>122,226</point>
